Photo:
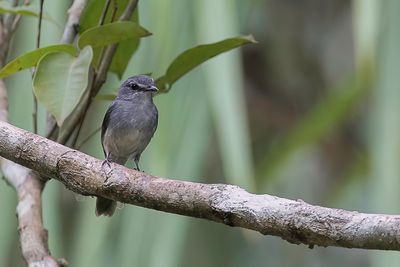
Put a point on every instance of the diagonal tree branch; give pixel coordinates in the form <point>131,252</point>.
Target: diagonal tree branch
<point>294,221</point>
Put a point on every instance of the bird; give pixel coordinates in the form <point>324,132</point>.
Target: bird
<point>128,126</point>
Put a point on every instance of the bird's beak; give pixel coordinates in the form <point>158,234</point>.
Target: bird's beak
<point>152,88</point>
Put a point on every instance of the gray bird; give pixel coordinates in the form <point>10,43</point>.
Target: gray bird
<point>128,126</point>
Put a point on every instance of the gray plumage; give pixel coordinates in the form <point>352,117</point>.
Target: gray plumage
<point>127,128</point>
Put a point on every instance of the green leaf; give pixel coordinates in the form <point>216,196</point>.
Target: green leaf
<point>126,49</point>
<point>121,58</point>
<point>61,80</point>
<point>193,57</point>
<point>31,58</point>
<point>112,33</point>
<point>93,10</point>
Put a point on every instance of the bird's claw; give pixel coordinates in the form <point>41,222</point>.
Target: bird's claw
<point>106,161</point>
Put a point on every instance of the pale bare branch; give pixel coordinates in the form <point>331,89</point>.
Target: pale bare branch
<point>294,221</point>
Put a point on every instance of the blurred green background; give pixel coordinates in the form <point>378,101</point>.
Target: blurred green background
<point>310,112</point>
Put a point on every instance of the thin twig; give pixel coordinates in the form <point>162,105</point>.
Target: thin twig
<point>115,9</point>
<point>18,17</point>
<point>6,33</point>
<point>35,103</point>
<point>34,114</point>
<point>80,124</point>
<point>9,17</point>
<point>39,24</point>
<point>130,8</point>
<point>15,23</point>
<point>104,14</point>
<point>52,129</point>
<point>101,22</point>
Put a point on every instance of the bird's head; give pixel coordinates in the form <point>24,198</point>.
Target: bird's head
<point>141,84</point>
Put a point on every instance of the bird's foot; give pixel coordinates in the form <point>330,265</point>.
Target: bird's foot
<point>137,169</point>
<point>106,161</point>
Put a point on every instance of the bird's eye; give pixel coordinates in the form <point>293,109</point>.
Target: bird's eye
<point>134,86</point>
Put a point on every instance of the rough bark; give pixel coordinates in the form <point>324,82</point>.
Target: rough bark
<point>294,221</point>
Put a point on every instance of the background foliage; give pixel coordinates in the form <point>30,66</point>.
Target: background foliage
<point>309,112</point>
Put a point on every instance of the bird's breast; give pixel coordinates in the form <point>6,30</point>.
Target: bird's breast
<point>130,129</point>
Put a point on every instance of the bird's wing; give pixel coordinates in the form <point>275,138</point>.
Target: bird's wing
<point>106,122</point>
<point>156,121</point>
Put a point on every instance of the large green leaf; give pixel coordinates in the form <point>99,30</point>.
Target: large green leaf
<point>112,33</point>
<point>126,49</point>
<point>61,80</point>
<point>94,9</point>
<point>193,57</point>
<point>31,58</point>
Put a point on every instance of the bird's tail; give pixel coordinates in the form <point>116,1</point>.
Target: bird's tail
<point>105,207</point>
